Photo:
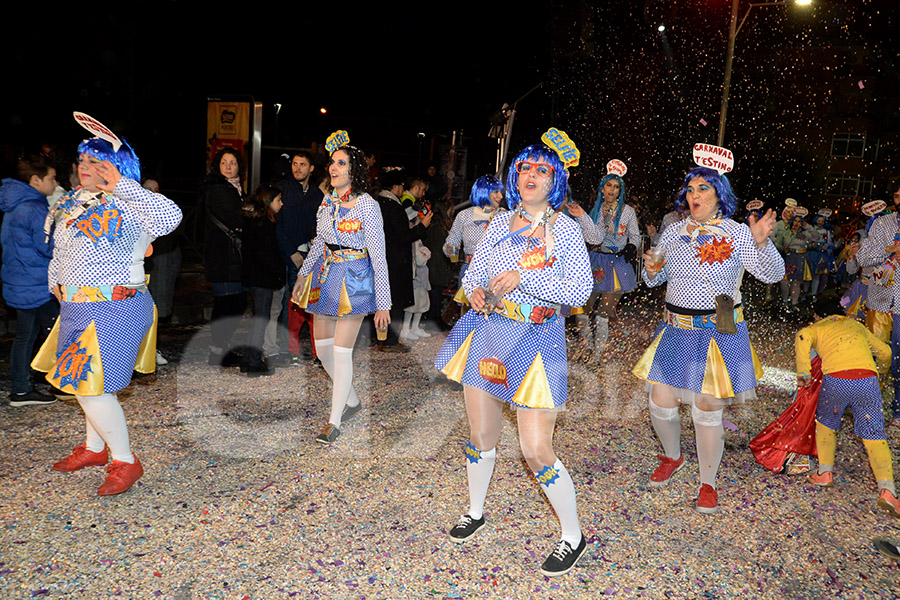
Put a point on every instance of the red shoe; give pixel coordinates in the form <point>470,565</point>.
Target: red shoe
<point>708,501</point>
<point>888,502</point>
<point>81,457</point>
<point>120,477</point>
<point>825,480</point>
<point>667,467</point>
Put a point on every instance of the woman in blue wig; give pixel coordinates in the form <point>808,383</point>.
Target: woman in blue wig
<point>101,232</point>
<point>511,347</point>
<point>470,224</point>
<point>794,242</point>
<point>701,353</point>
<point>612,254</point>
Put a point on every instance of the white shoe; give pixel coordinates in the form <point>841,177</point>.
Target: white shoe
<point>601,333</point>
<point>422,333</point>
<point>408,335</point>
<point>160,359</point>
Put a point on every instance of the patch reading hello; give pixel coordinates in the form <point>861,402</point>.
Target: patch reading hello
<point>491,369</point>
<point>715,251</point>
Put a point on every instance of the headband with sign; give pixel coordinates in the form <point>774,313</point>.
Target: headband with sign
<point>98,129</point>
<point>563,146</point>
<point>616,167</point>
<point>790,202</point>
<point>336,140</point>
<point>754,205</point>
<point>714,157</point>
<point>801,211</point>
<point>825,212</point>
<point>870,209</point>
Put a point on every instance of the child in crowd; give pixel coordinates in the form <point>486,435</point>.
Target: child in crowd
<point>849,380</point>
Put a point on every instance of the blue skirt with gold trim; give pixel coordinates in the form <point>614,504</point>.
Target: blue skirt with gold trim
<point>612,273</point>
<point>521,363</point>
<point>348,289</point>
<point>854,301</point>
<point>702,361</point>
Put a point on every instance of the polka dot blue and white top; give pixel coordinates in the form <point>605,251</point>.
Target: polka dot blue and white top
<point>101,238</point>
<point>565,279</point>
<point>627,233</point>
<point>884,290</point>
<point>468,228</point>
<point>725,253</point>
<point>358,227</point>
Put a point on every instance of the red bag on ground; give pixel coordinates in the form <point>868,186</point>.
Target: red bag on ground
<point>794,430</point>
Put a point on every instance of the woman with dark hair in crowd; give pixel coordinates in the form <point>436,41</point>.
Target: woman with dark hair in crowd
<point>263,270</point>
<point>344,278</point>
<point>511,347</point>
<point>224,194</point>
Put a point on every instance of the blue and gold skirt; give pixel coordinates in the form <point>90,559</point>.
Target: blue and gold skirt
<point>854,301</point>
<point>700,360</point>
<point>612,273</point>
<point>518,362</point>
<point>797,267</point>
<point>348,289</point>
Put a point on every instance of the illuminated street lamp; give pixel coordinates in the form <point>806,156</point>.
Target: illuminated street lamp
<point>733,30</point>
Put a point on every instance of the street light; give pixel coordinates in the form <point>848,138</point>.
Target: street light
<point>733,30</point>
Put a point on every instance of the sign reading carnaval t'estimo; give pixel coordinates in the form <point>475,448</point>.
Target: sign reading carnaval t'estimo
<point>714,157</point>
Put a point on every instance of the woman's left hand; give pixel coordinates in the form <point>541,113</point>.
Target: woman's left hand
<point>505,282</point>
<point>382,319</point>
<point>108,171</point>
<point>762,228</point>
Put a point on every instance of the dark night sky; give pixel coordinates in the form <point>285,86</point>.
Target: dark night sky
<point>386,74</point>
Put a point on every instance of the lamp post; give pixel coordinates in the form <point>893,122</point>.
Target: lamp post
<point>733,30</point>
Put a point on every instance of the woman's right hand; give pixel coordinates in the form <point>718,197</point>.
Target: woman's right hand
<point>476,300</point>
<point>651,267</point>
<point>298,285</point>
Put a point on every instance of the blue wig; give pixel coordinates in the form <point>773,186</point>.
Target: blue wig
<point>482,189</point>
<point>595,212</point>
<point>795,218</point>
<point>538,153</point>
<point>756,212</point>
<point>727,200</point>
<point>125,159</point>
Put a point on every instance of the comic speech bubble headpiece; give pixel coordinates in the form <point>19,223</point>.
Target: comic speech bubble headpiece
<point>336,140</point>
<point>714,157</point>
<point>825,212</point>
<point>870,209</point>
<point>790,202</point>
<point>800,211</point>
<point>616,167</point>
<point>98,129</point>
<point>563,146</point>
<point>754,205</point>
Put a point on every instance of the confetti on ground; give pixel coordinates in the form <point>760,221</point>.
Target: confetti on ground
<point>239,502</point>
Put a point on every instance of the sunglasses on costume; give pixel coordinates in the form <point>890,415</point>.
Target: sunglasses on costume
<point>526,166</point>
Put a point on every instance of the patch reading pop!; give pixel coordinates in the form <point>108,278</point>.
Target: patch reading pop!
<point>547,476</point>
<point>564,147</point>
<point>336,140</point>
<point>715,251</point>
<point>714,157</point>
<point>350,226</point>
<point>73,365</point>
<point>534,259</point>
<point>491,369</point>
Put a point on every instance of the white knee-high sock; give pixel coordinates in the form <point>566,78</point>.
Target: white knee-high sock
<point>667,425</point>
<point>94,441</point>
<point>479,468</point>
<point>343,383</point>
<point>416,318</point>
<point>325,351</point>
<point>710,442</point>
<point>560,490</point>
<point>105,413</point>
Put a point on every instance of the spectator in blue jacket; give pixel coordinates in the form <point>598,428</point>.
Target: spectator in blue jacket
<point>26,256</point>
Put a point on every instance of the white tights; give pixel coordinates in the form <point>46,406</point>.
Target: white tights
<point>105,424</point>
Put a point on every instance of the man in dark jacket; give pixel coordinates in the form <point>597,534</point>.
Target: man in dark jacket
<point>296,227</point>
<point>399,238</point>
<point>26,256</point>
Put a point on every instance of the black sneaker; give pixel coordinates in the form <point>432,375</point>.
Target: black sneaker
<point>563,558</point>
<point>466,528</point>
<point>32,398</point>
<point>349,411</point>
<point>328,435</point>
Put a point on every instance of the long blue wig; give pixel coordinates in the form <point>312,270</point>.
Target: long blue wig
<point>595,211</point>
<point>538,153</point>
<point>482,189</point>
<point>795,218</point>
<point>125,159</point>
<point>727,200</point>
